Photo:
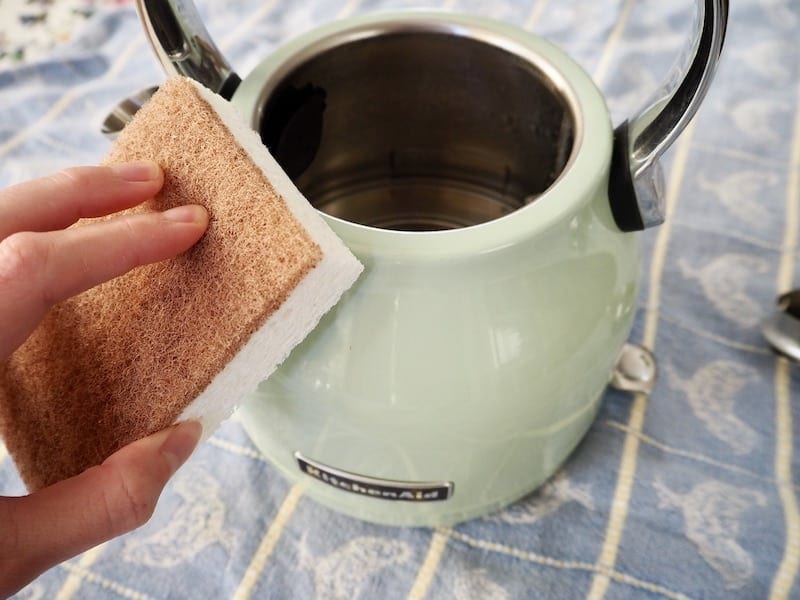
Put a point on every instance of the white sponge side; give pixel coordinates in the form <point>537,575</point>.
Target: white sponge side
<point>314,296</point>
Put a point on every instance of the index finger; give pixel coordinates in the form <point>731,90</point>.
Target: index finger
<point>38,270</point>
<point>59,200</point>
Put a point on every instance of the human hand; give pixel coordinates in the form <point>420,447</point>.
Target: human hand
<point>41,263</point>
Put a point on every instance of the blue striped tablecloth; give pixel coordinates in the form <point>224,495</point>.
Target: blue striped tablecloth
<point>691,492</point>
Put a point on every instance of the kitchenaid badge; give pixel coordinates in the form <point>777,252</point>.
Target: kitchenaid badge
<point>384,489</point>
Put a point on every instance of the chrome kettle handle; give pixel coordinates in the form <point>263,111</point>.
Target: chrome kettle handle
<point>636,184</point>
<point>183,45</point>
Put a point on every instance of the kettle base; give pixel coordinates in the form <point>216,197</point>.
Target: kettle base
<point>534,468</point>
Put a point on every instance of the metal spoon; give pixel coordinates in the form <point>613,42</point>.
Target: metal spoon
<point>123,112</point>
<point>782,328</point>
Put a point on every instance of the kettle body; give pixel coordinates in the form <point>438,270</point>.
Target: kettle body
<point>473,169</point>
<point>469,359</point>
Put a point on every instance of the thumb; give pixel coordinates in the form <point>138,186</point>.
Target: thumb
<point>69,517</point>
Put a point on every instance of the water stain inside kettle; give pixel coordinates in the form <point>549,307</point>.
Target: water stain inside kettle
<point>419,131</point>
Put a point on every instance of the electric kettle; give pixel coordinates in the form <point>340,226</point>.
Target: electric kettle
<point>472,167</point>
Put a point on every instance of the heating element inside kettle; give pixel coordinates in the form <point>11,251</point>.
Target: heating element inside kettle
<point>419,130</point>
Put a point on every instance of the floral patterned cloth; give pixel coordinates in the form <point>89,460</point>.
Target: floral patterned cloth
<point>30,29</point>
<point>692,492</point>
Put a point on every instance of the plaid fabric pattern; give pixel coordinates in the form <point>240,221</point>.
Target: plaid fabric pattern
<point>691,492</point>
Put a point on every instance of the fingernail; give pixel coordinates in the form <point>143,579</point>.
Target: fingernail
<point>143,170</point>
<point>181,442</point>
<point>188,213</point>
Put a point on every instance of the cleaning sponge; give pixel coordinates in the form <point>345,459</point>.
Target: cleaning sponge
<point>187,338</point>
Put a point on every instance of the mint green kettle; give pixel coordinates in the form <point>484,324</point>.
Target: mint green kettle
<point>473,169</point>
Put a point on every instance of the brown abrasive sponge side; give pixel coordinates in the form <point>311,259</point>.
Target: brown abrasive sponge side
<point>187,337</point>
